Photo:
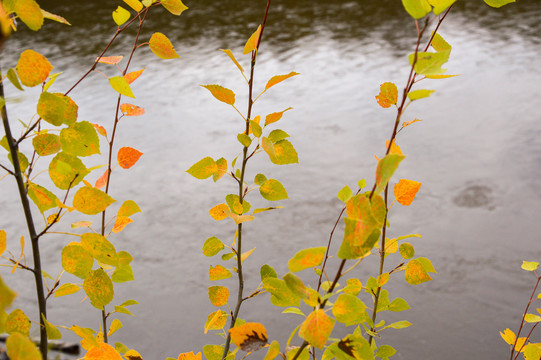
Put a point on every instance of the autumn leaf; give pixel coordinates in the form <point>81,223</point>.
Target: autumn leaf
<point>132,76</point>
<point>273,190</point>
<point>306,258</point>
<point>161,46</point>
<point>274,117</point>
<point>131,110</point>
<point>388,95</point>
<point>218,295</point>
<point>251,44</point>
<point>120,85</point>
<point>221,93</point>
<point>121,15</point>
<point>127,157</point>
<point>175,7</point>
<point>120,223</point>
<point>189,356</point>
<point>46,144</point>
<point>232,57</point>
<point>77,260</point>
<point>103,352</point>
<point>57,108</point>
<point>111,60</point>
<point>385,170</point>
<point>219,212</point>
<point>218,272</point>
<point>415,273</point>
<point>102,180</point>
<point>134,4</point>
<point>249,336</point>
<point>405,191</point>
<point>91,201</point>
<point>317,328</point>
<point>66,289</point>
<point>203,169</point>
<point>417,8</point>
<point>100,129</point>
<point>20,347</point>
<point>43,198</point>
<point>80,139</point>
<point>30,13</point>
<point>99,289</point>
<point>17,322</point>
<point>128,208</point>
<point>279,78</point>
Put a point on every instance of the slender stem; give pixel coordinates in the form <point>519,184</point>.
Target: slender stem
<point>8,170</point>
<point>245,158</point>
<point>523,315</point>
<point>13,149</point>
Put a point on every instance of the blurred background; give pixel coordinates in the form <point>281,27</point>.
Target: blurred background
<point>477,152</point>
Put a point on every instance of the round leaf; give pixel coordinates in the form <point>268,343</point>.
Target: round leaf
<point>32,67</point>
<point>99,288</point>
<point>66,169</point>
<point>80,139</point>
<point>128,156</point>
<point>91,201</point>
<point>57,108</point>
<point>161,46</point>
<point>273,190</point>
<point>77,261</point>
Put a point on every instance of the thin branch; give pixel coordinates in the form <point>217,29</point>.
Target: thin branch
<point>9,171</point>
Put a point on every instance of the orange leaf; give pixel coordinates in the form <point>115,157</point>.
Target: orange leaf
<point>128,156</point>
<point>279,78</point>
<point>388,95</point>
<point>274,117</point>
<point>120,223</point>
<point>407,123</point>
<point>132,76</point>
<point>100,129</point>
<point>219,212</point>
<point>221,93</point>
<point>249,337</point>
<point>112,60</point>
<point>103,352</point>
<point>395,149</point>
<point>33,68</point>
<point>189,356</point>
<point>251,44</point>
<point>161,46</point>
<point>316,328</point>
<point>131,110</point>
<point>102,180</point>
<point>405,191</point>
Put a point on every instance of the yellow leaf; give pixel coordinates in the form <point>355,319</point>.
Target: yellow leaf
<point>189,356</point>
<point>132,355</point>
<point>216,320</point>
<point>317,328</point>
<point>388,95</point>
<point>246,254</point>
<point>218,212</point>
<point>121,15</point>
<point>175,7</point>
<point>219,273</point>
<point>3,241</point>
<point>279,78</point>
<point>395,149</point>
<point>120,223</point>
<point>115,325</point>
<point>519,346</point>
<point>251,44</point>
<point>218,295</point>
<point>161,46</point>
<point>232,57</point>
<point>408,123</point>
<point>33,68</point>
<point>405,191</point>
<point>249,337</point>
<point>274,117</point>
<point>134,4</point>
<point>221,93</point>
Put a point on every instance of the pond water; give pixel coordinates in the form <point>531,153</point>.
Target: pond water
<point>477,153</point>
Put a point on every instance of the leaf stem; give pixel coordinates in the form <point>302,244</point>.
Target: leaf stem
<point>522,322</point>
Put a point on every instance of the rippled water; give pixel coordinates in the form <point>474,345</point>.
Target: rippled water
<point>477,152</point>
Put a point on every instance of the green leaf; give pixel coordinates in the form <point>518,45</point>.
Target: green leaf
<point>57,108</point>
<point>100,248</point>
<point>260,179</point>
<point>128,208</point>
<point>284,153</point>
<point>317,328</point>
<point>120,85</point>
<point>30,13</point>
<point>213,352</point>
<point>277,135</point>
<point>281,294</point>
<point>46,144</point>
<point>349,309</point>
<point>244,139</point>
<point>66,169</point>
<point>66,289</point>
<point>427,265</point>
<point>406,250</point>
<point>498,3</point>
<point>306,258</point>
<point>267,271</point>
<point>77,261</point>
<point>91,201</point>
<point>52,332</point>
<point>123,273</point>
<point>175,7</point>
<point>218,295</point>
<point>385,170</point>
<point>23,160</point>
<point>12,77</point>
<point>256,128</point>
<point>99,288</point>
<point>203,169</point>
<point>529,265</point>
<point>115,325</point>
<point>353,286</point>
<point>429,63</point>
<point>419,94</point>
<point>20,347</point>
<point>398,325</point>
<point>122,310</point>
<point>417,8</point>
<point>293,310</point>
<point>296,285</point>
<point>17,322</point>
<point>212,246</point>
<point>80,139</point>
<point>43,198</point>
<point>345,194</point>
<point>129,303</point>
<point>273,190</point>
<point>273,352</point>
<point>398,305</point>
<point>120,16</point>
<point>385,351</point>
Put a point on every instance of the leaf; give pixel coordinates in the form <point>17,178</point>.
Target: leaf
<point>100,129</point>
<point>20,347</point>
<point>212,246</point>
<point>221,93</point>
<point>66,169</point>
<point>175,7</point>
<point>99,288</point>
<point>131,110</point>
<point>43,198</point>
<point>317,328</point>
<point>419,94</point>
<point>417,8</point>
<point>385,170</point>
<point>12,77</point>
<point>86,334</point>
<point>498,3</point>
<point>133,355</point>
<point>132,76</point>
<point>398,325</point>
<point>306,258</point>
<point>111,60</point>
<point>274,117</point>
<point>128,208</point>
<point>103,352</point>
<point>295,284</point>
<point>249,337</point>
<point>388,95</point>
<point>203,169</point>
<point>219,212</point>
<point>405,191</point>
<point>80,139</point>
<point>273,352</point>
<point>532,351</point>
<point>282,153</point>
<point>17,322</point>
<point>134,4</point>
<point>279,78</point>
<point>102,180</point>
<point>273,190</point>
<point>438,42</point>
<point>66,289</point>
<point>120,85</point>
<point>121,15</point>
<point>267,271</point>
<point>161,46</point>
<point>255,128</point>
<point>30,13</point>
<point>349,310</point>
<point>406,251</point>
<point>127,157</point>
<point>218,295</point>
<point>77,260</point>
<point>3,241</point>
<point>46,144</point>
<point>385,351</point>
<point>120,223</point>
<point>345,194</point>
<point>260,179</point>
<point>277,135</point>
<point>214,352</point>
<point>100,248</point>
<point>398,305</point>
<point>281,294</point>
<point>252,42</point>
<point>529,265</point>
<point>189,356</point>
<point>221,163</point>
<point>215,320</point>
<point>429,63</point>
<point>353,286</point>
<point>219,273</point>
<point>244,139</point>
<point>7,296</point>
<point>232,57</point>
<point>293,310</point>
<point>57,109</point>
<point>115,325</point>
<point>415,273</point>
<point>91,201</point>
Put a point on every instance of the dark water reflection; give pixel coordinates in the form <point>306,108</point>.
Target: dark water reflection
<point>477,152</point>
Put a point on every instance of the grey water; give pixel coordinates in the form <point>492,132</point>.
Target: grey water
<point>477,152</point>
